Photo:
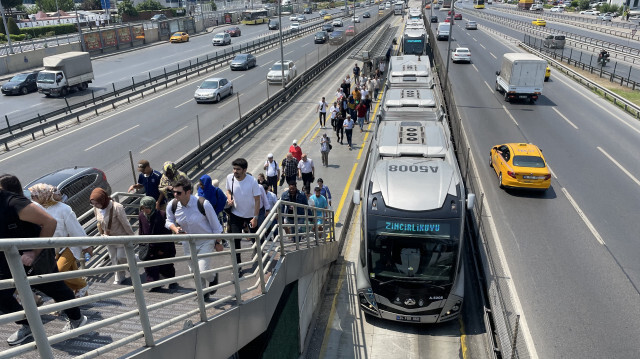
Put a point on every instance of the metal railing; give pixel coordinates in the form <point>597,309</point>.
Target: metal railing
<point>300,228</point>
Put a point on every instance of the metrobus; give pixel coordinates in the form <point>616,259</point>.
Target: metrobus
<point>410,71</point>
<point>415,14</point>
<point>414,41</point>
<point>253,17</point>
<point>410,265</point>
<point>478,4</point>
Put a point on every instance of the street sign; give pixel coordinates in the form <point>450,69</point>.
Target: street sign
<point>106,4</point>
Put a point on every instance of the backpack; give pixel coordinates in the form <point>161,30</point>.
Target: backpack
<point>174,206</point>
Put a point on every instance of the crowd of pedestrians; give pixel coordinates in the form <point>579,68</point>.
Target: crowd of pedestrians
<point>171,205</point>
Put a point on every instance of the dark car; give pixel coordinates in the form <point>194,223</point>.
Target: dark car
<point>434,18</point>
<point>336,37</point>
<point>366,15</point>
<point>321,37</point>
<point>243,62</point>
<point>75,184</point>
<point>233,31</point>
<point>159,17</point>
<point>274,24</point>
<point>307,10</point>
<point>21,84</point>
<point>327,27</point>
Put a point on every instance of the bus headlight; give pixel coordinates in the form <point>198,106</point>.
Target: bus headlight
<point>368,301</point>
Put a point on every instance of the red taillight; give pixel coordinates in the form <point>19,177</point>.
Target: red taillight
<point>511,174</point>
<point>547,177</point>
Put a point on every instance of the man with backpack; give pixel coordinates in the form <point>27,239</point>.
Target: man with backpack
<point>187,213</point>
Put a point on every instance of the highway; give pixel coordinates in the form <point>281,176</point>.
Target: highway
<point>571,251</point>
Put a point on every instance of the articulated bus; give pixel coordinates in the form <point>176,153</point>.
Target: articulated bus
<point>478,4</point>
<point>253,17</point>
<point>410,71</point>
<point>413,213</point>
<point>414,41</point>
<point>415,14</point>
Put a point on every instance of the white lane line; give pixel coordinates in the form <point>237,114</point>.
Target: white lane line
<point>160,142</point>
<point>475,68</point>
<point>490,88</point>
<point>237,77</point>
<point>474,39</point>
<point>290,52</point>
<point>231,99</point>
<point>305,45</point>
<point>184,103</point>
<point>8,113</point>
<point>509,113</point>
<point>110,138</point>
<point>552,173</point>
<point>34,105</point>
<point>494,56</point>
<point>583,216</point>
<point>564,117</point>
<point>633,178</point>
<point>597,104</point>
<point>483,46</point>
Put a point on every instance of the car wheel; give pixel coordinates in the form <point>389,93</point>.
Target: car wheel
<point>490,160</point>
<point>500,180</point>
<point>246,67</point>
<point>188,39</point>
<point>24,91</point>
<point>506,96</point>
<point>231,91</point>
<point>218,98</point>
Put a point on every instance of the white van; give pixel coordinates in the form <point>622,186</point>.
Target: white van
<point>443,31</point>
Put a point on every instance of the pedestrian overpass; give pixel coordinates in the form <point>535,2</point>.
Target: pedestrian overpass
<point>273,299</point>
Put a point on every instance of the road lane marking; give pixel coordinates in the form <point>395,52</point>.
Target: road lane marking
<point>564,117</point>
<point>231,98</point>
<point>237,77</point>
<point>509,113</point>
<point>483,46</point>
<point>475,68</point>
<point>633,178</point>
<point>494,56</point>
<point>583,216</point>
<point>474,39</point>
<point>463,339</point>
<point>184,103</point>
<point>8,113</point>
<point>490,88</point>
<point>345,193</point>
<point>160,142</point>
<point>111,138</point>
<point>290,52</point>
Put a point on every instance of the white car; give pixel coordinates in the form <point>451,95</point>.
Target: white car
<point>589,12</point>
<point>557,9</point>
<point>356,19</point>
<point>295,26</point>
<point>293,17</point>
<point>605,17</point>
<point>221,38</point>
<point>275,72</point>
<point>337,23</point>
<point>461,54</point>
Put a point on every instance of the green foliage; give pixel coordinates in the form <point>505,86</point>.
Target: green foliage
<point>149,5</point>
<point>583,4</point>
<point>575,3</point>
<point>2,29</point>
<point>3,37</point>
<point>9,4</point>
<point>13,27</point>
<point>126,7</point>
<point>50,30</point>
<point>612,8</point>
<point>213,6</point>
<point>50,5</point>
<point>90,5</point>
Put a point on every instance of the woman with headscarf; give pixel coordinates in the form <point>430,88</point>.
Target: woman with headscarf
<point>112,221</point>
<point>68,226</point>
<point>152,223</point>
<point>170,176</point>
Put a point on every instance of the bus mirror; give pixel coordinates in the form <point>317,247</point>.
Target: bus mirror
<point>356,196</point>
<point>471,200</point>
<point>497,73</point>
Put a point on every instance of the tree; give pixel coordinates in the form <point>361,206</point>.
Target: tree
<point>213,6</point>
<point>149,5</point>
<point>583,4</point>
<point>126,7</point>
<point>50,5</point>
<point>13,27</point>
<point>90,5</point>
<point>9,4</point>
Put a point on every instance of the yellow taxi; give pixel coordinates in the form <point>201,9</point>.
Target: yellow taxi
<point>520,165</point>
<point>179,37</point>
<point>539,22</point>
<point>547,73</point>
<point>327,17</point>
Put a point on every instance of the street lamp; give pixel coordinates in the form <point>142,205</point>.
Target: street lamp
<point>281,45</point>
<point>446,72</point>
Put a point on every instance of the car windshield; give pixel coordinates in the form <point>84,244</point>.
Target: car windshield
<point>462,50</point>
<point>177,34</point>
<point>336,33</point>
<point>240,58</point>
<point>528,161</point>
<point>46,77</point>
<point>19,78</point>
<point>219,36</point>
<point>209,84</point>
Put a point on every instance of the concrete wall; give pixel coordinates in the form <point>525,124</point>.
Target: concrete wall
<point>32,59</point>
<point>151,35</point>
<point>309,295</point>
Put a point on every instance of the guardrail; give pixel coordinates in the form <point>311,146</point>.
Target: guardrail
<point>83,107</point>
<point>295,231</point>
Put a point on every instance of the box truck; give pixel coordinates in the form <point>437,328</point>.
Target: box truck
<point>65,72</point>
<point>521,77</point>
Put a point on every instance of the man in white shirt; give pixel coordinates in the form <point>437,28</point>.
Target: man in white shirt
<point>306,171</point>
<point>243,195</point>
<point>188,219</point>
<point>334,113</point>
<point>322,112</point>
<point>273,173</point>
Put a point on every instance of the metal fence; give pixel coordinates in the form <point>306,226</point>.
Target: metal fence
<point>301,227</point>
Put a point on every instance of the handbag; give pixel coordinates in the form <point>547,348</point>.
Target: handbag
<point>330,147</point>
<point>144,252</point>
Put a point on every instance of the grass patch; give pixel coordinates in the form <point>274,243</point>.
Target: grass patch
<point>629,95</point>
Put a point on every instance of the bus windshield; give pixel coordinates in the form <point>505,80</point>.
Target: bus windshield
<point>413,46</point>
<point>412,250</point>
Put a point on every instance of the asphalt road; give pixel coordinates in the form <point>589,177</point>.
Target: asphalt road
<point>117,70</point>
<point>579,297</point>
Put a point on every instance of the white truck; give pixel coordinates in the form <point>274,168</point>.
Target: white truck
<point>521,77</point>
<point>443,31</point>
<point>65,72</point>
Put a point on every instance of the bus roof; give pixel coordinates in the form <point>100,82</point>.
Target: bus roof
<point>412,138</point>
<point>409,97</point>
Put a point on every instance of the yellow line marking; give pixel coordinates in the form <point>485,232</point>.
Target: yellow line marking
<point>341,277</point>
<point>315,134</point>
<point>346,190</point>
<point>463,339</point>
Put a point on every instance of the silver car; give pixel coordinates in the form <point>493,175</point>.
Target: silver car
<point>275,73</point>
<point>213,89</point>
<point>221,38</point>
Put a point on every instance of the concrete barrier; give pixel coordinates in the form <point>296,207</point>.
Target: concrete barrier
<point>33,59</point>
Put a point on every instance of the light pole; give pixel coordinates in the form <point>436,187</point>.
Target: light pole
<point>446,72</point>
<point>6,28</point>
<point>281,45</point>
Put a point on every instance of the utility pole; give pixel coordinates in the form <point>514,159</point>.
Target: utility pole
<point>279,4</point>
<point>6,29</point>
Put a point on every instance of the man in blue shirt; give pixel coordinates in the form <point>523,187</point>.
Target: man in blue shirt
<point>319,202</point>
<point>147,179</point>
<point>295,196</point>
<point>324,190</point>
